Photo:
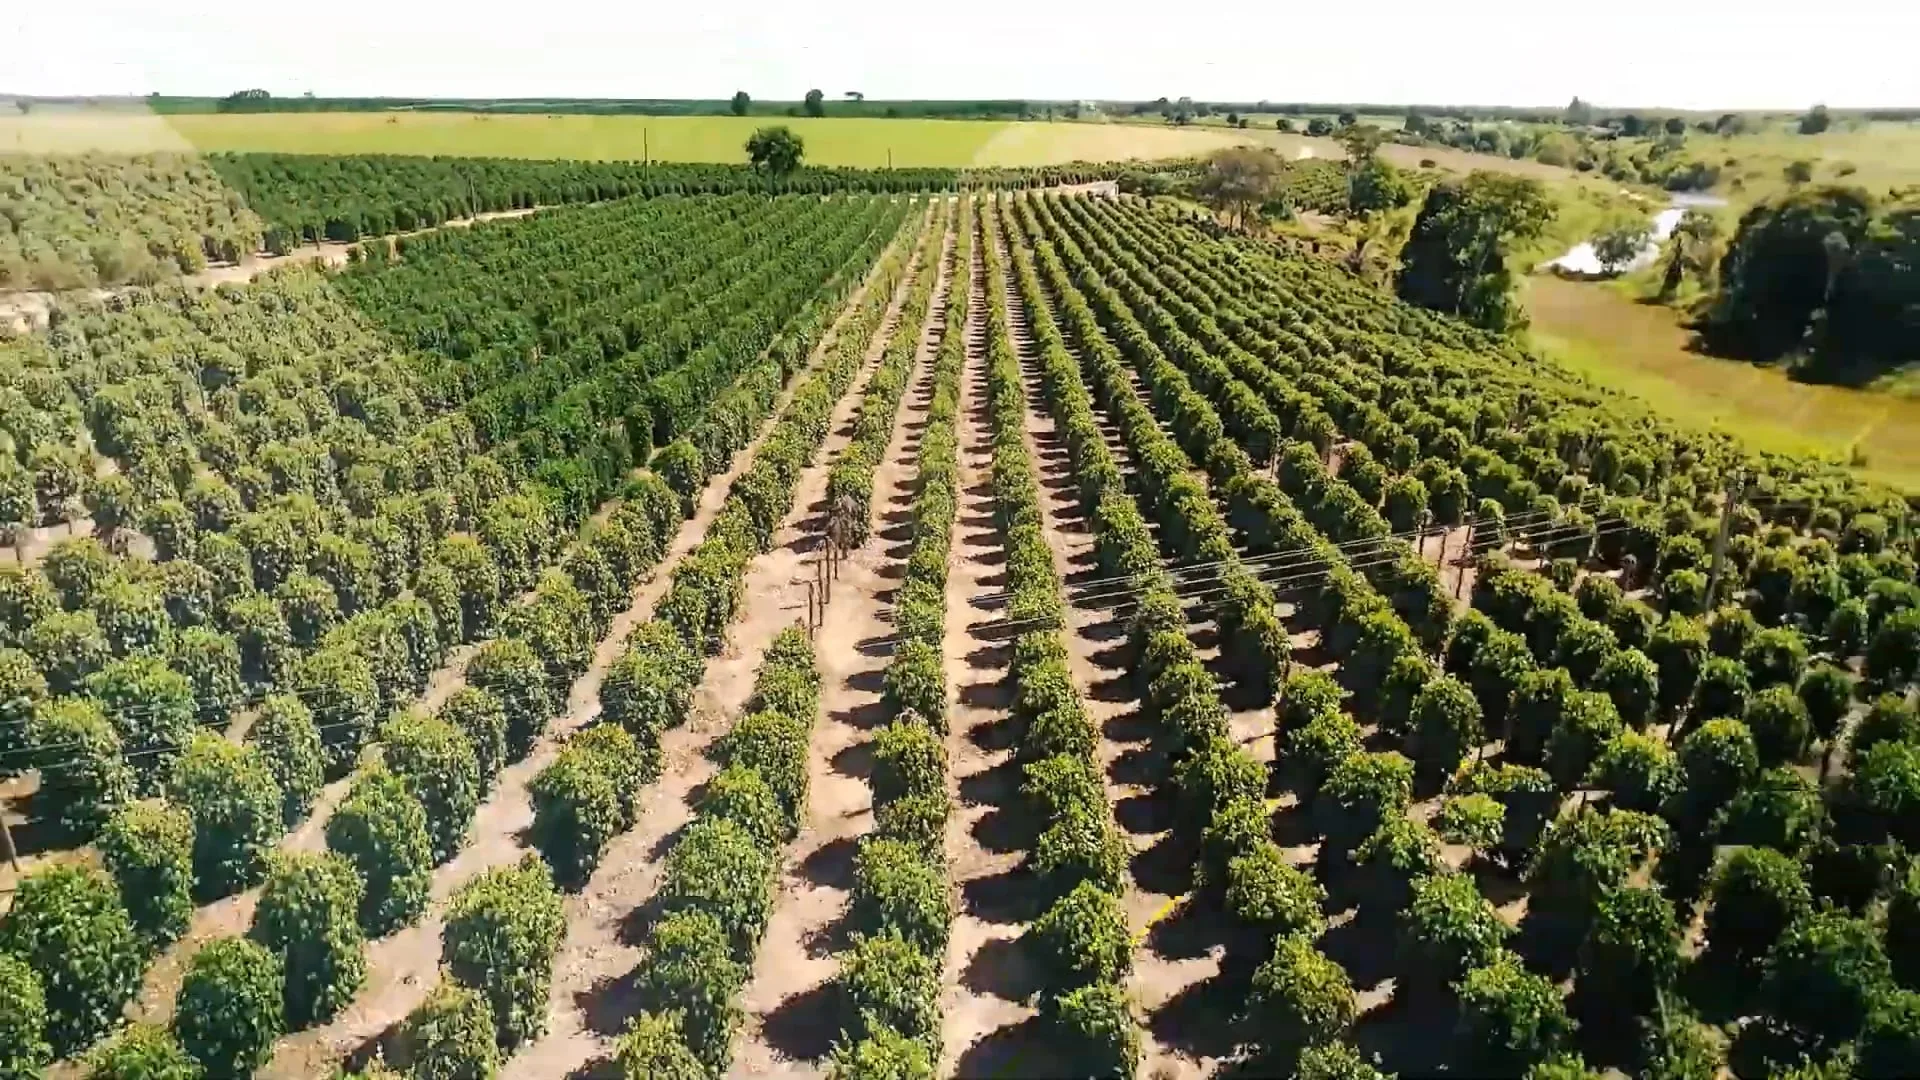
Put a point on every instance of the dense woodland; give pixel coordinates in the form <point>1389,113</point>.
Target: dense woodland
<point>1680,730</point>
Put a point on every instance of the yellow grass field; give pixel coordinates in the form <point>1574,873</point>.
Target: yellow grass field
<point>1641,349</point>
<point>829,141</point>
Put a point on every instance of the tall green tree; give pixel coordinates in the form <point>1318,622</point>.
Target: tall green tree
<point>775,150</point>
<point>1455,261</point>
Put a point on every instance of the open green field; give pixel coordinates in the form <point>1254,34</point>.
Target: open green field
<point>1643,350</point>
<point>830,141</point>
<point>1878,156</point>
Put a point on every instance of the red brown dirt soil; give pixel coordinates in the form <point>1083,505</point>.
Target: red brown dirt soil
<point>789,1025</point>
<point>593,995</point>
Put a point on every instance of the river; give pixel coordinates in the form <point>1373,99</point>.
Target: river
<point>1582,261</point>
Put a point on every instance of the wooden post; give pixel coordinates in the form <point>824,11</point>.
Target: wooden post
<point>1460,579</point>
<point>1720,541</point>
<point>6,841</point>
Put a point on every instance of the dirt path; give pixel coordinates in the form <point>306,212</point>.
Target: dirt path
<point>789,1023</point>
<point>593,993</point>
<point>29,310</point>
<point>982,999</point>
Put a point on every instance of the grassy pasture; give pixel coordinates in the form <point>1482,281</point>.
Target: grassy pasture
<point>830,140</point>
<point>1642,349</point>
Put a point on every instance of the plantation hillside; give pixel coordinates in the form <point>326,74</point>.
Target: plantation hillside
<point>905,624</point>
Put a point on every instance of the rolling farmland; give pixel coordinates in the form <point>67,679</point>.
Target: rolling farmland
<point>688,630</point>
<point>849,141</point>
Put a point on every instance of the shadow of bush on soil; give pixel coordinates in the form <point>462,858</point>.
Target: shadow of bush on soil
<point>1412,1037</point>
<point>1028,1050</point>
<point>804,1026</point>
<point>830,866</point>
<point>1015,895</point>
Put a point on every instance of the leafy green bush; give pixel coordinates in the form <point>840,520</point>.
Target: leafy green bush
<point>1477,821</point>
<point>576,812</point>
<point>1825,973</point>
<point>916,682</point>
<point>1780,725</point>
<point>1400,851</point>
<point>449,1036</point>
<point>919,820</point>
<point>1890,1043</point>
<point>690,969</point>
<point>229,1012</point>
<point>141,1052</point>
<point>502,930</point>
<point>148,847</point>
<point>1446,725</point>
<point>1583,856</point>
<point>650,687</point>
<point>237,812</point>
<point>484,720</point>
<point>1299,999</point>
<point>773,744</point>
<point>897,888</point>
<point>1717,759</point>
<point>1587,725</point>
<point>1511,1019</point>
<point>1757,893</point>
<point>1447,930</point>
<point>308,916</point>
<point>23,1020</point>
<point>436,762</point>
<point>1631,955</point>
<point>1266,892</point>
<point>1781,809</point>
<point>68,925</point>
<point>381,831</point>
<point>886,982</point>
<point>288,740</point>
<point>908,759</point>
<point>1335,1061</point>
<point>152,707</point>
<point>94,779</point>
<point>1359,794</point>
<point>1082,938</point>
<point>716,867</point>
<point>511,671</point>
<point>1640,770</point>
<point>1098,1030</point>
<point>653,1048</point>
<point>1081,845</point>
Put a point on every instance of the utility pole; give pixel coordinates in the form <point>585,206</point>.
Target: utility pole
<point>646,153</point>
<point>1734,488</point>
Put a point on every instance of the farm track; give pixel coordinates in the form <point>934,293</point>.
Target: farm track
<point>30,309</point>
<point>985,1014</point>
<point>789,1023</point>
<point>1136,772</point>
<point>593,992</point>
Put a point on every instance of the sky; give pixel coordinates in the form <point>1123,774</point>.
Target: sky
<point>1708,54</point>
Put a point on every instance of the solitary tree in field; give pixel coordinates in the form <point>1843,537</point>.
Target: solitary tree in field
<point>740,102</point>
<point>1816,121</point>
<point>1240,178</point>
<point>775,150</point>
<point>816,103</point>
